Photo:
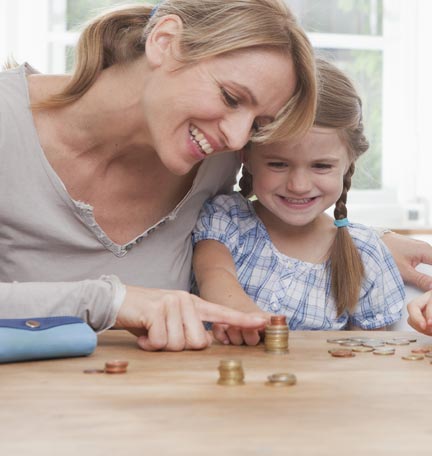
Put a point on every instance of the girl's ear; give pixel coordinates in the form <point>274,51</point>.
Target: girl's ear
<point>162,43</point>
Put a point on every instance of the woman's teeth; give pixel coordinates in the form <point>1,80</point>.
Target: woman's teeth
<point>199,139</point>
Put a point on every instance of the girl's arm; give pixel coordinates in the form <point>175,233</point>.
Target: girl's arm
<point>217,282</point>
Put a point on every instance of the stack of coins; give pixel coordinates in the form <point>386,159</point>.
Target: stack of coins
<point>276,335</point>
<point>116,367</point>
<point>231,373</point>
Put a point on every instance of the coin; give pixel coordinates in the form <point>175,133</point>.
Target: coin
<point>413,357</point>
<point>337,341</point>
<point>350,343</point>
<point>342,353</point>
<point>362,349</point>
<point>420,350</point>
<point>281,379</point>
<point>384,351</point>
<point>277,320</point>
<point>397,341</point>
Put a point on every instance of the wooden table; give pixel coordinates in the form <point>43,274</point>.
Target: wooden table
<point>169,403</point>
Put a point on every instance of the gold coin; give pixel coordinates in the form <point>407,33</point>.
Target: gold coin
<point>281,379</point>
<point>413,357</point>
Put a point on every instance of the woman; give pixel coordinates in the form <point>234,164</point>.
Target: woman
<point>106,172</point>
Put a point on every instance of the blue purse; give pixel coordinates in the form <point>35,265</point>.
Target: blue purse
<point>27,339</point>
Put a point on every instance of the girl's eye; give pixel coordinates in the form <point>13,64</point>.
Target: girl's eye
<point>229,99</point>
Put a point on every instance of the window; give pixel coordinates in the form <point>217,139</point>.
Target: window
<point>384,45</point>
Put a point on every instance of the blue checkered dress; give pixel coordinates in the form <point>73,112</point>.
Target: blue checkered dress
<point>300,290</point>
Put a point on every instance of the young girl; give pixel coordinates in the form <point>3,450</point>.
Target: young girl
<point>281,252</point>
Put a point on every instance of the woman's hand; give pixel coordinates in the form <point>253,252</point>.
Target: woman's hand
<point>173,320</point>
<point>420,313</point>
<point>408,253</point>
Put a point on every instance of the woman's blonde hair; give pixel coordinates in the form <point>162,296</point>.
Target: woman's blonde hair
<point>339,107</point>
<point>210,28</point>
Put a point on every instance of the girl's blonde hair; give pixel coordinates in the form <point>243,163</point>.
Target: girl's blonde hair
<point>339,107</point>
<point>210,28</point>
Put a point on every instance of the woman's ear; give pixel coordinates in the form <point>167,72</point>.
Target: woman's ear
<point>162,43</point>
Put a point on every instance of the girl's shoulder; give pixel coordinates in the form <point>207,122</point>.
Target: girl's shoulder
<point>367,240</point>
<point>231,203</point>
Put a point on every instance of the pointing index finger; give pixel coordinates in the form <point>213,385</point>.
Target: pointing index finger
<point>216,313</point>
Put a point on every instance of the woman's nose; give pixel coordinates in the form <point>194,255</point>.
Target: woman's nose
<point>237,129</point>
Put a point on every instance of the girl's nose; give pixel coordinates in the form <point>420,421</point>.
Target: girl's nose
<point>298,181</point>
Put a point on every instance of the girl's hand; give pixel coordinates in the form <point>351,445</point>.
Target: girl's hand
<point>226,334</point>
<point>420,313</point>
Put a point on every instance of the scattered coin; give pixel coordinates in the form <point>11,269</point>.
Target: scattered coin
<point>350,343</point>
<point>397,341</point>
<point>281,379</point>
<point>384,351</point>
<point>337,341</point>
<point>362,349</point>
<point>413,357</point>
<point>420,350</point>
<point>342,353</point>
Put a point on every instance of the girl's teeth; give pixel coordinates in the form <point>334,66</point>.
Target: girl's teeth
<point>199,137</point>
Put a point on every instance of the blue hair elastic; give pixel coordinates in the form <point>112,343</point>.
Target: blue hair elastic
<point>341,223</point>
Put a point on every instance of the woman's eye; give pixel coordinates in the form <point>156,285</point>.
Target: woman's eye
<point>277,165</point>
<point>322,166</point>
<point>229,99</point>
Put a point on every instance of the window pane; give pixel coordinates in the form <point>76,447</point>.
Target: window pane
<point>365,70</point>
<point>80,11</point>
<point>357,17</point>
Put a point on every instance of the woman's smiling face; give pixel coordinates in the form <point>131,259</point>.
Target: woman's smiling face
<point>214,105</point>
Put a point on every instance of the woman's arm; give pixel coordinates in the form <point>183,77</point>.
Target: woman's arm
<point>216,277</point>
<point>408,253</point>
<point>162,319</point>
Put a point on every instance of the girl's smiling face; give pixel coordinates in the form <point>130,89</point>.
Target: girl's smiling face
<point>295,182</point>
